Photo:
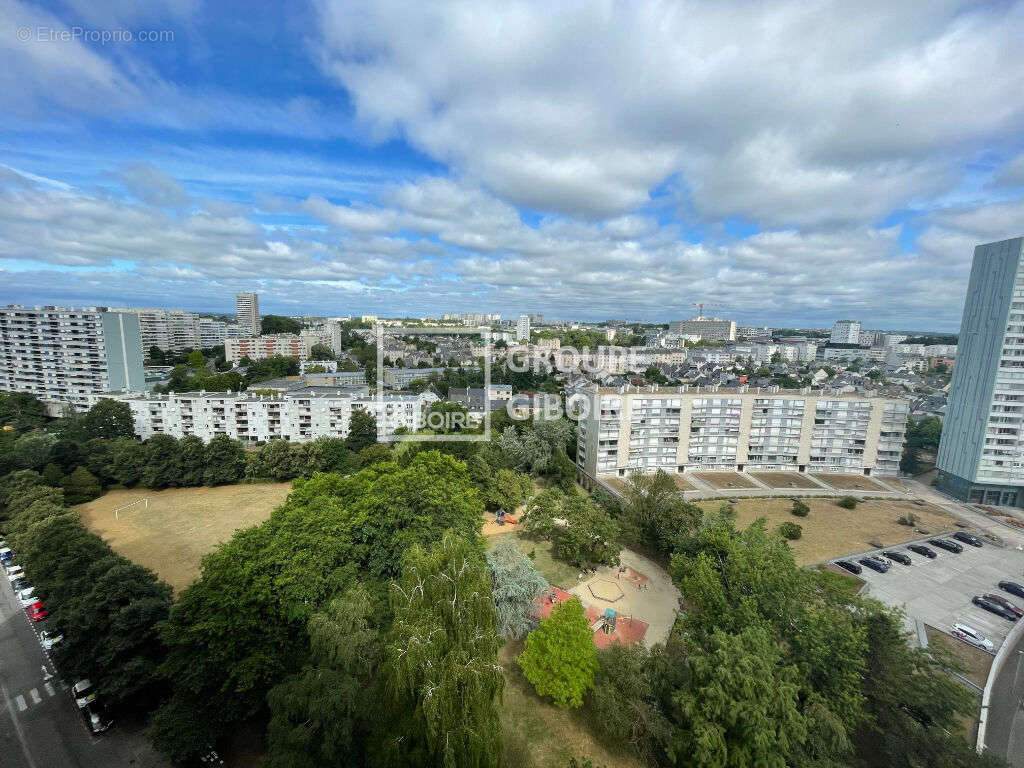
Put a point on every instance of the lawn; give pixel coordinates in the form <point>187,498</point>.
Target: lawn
<point>831,531</point>
<point>725,480</point>
<point>974,661</point>
<point>846,482</point>
<point>784,479</point>
<point>181,525</point>
<point>557,572</point>
<point>537,734</point>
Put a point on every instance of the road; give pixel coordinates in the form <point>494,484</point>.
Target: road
<point>40,726</point>
<point>1004,735</point>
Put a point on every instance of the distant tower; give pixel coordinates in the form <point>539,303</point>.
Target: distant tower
<point>248,305</point>
<point>523,328</point>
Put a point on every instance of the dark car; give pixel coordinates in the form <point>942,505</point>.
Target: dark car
<point>875,564</point>
<point>899,557</point>
<point>1015,609</point>
<point>19,584</point>
<point>995,608</point>
<point>96,717</point>
<point>849,566</point>
<point>921,549</point>
<point>1012,587</point>
<point>946,544</point>
<point>967,538</point>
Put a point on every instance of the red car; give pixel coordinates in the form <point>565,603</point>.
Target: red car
<point>37,611</point>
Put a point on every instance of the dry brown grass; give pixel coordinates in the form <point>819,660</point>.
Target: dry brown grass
<point>831,531</point>
<point>975,662</point>
<point>537,734</point>
<point>180,525</point>
<point>725,480</point>
<point>784,480</point>
<point>846,482</point>
<point>620,484</point>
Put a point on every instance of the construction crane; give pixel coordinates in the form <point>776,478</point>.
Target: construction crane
<point>700,306</point>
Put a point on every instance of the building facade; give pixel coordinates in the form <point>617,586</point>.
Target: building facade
<point>523,328</point>
<point>271,345</point>
<point>680,429</point>
<point>981,454</point>
<point>708,328</point>
<point>845,332</point>
<point>248,308</point>
<point>297,416</point>
<point>212,333</point>
<point>62,354</point>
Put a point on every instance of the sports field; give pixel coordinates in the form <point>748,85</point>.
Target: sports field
<point>180,525</point>
<point>831,531</point>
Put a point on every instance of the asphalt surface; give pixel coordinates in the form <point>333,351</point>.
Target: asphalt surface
<point>1004,735</point>
<point>40,725</point>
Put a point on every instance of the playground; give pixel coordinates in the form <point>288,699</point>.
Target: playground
<point>173,529</point>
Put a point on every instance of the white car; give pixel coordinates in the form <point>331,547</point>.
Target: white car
<point>26,596</point>
<point>973,637</point>
<point>84,693</point>
<point>15,572</point>
<point>49,640</point>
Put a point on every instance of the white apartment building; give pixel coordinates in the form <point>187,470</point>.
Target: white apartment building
<point>298,416</point>
<point>248,309</point>
<point>681,429</point>
<point>709,328</point>
<point>172,330</point>
<point>212,333</point>
<point>523,328</point>
<point>259,348</point>
<point>845,332</point>
<point>66,355</point>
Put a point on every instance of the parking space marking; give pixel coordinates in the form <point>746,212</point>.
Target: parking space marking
<point>20,701</point>
<point>49,689</point>
<point>34,693</point>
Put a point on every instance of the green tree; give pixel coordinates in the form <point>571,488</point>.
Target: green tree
<point>196,361</point>
<point>588,534</point>
<point>22,411</point>
<point>654,514</point>
<point>163,462</point>
<point>109,420</point>
<point>33,450</point>
<point>560,659</point>
<point>225,461</point>
<point>81,486</point>
<point>321,352</point>
<point>441,657</point>
<point>790,530</point>
<point>52,475</point>
<point>515,586</point>
<point>362,430</point>
<point>127,462</point>
<point>191,461</point>
<point>319,714</point>
<point>279,324</point>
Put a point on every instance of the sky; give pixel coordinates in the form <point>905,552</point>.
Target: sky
<point>785,163</point>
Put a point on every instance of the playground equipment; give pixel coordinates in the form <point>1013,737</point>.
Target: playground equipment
<point>125,506</point>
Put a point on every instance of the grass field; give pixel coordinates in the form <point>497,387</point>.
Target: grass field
<point>537,734</point>
<point>557,572</point>
<point>831,531</point>
<point>725,480</point>
<point>784,479</point>
<point>180,525</point>
<point>848,482</point>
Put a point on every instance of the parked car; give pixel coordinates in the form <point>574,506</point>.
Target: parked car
<point>921,549</point>
<point>26,596</point>
<point>1012,587</point>
<point>50,640</point>
<point>96,717</point>
<point>992,607</point>
<point>6,555</point>
<point>1012,607</point>
<point>14,573</point>
<point>967,538</point>
<point>84,693</point>
<point>899,557</point>
<point>849,565</point>
<point>875,564</point>
<point>946,544</point>
<point>973,637</point>
<point>37,611</point>
<point>19,584</point>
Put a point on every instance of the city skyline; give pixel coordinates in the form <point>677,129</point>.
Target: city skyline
<point>324,168</point>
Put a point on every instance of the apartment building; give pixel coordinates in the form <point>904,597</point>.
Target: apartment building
<point>400,378</point>
<point>845,332</point>
<point>212,333</point>
<point>523,328</point>
<point>65,355</point>
<point>297,416</point>
<point>247,306</point>
<point>172,330</point>
<point>259,348</point>
<point>681,429</point>
<point>981,455</point>
<point>708,328</point>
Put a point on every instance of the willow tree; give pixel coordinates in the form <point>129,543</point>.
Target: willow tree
<point>441,657</point>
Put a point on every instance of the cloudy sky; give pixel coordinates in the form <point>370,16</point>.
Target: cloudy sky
<point>791,162</point>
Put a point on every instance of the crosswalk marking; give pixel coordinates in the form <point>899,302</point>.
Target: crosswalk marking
<point>22,706</point>
<point>49,689</point>
<point>36,698</point>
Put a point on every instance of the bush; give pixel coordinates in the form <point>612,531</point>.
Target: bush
<point>908,519</point>
<point>800,509</point>
<point>790,531</point>
<point>847,502</point>
<point>81,486</point>
<point>560,659</point>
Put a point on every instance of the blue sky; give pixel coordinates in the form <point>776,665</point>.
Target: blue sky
<point>792,162</point>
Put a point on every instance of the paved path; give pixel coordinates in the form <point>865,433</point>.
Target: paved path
<point>1004,735</point>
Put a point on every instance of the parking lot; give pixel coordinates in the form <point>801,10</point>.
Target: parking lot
<point>939,591</point>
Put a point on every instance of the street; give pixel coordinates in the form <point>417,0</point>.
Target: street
<point>40,726</point>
